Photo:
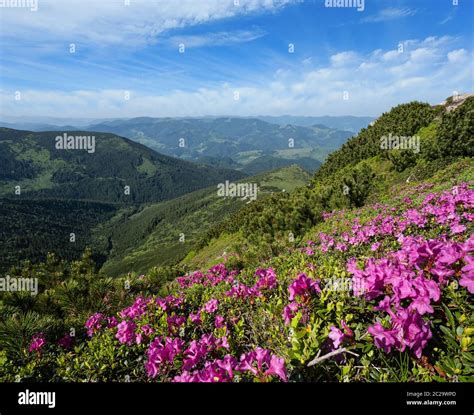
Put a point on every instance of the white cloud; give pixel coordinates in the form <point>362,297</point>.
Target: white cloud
<point>374,83</point>
<point>389,14</point>
<point>111,22</point>
<point>391,55</point>
<point>458,55</point>
<point>422,54</point>
<point>450,16</point>
<point>217,39</point>
<point>343,58</point>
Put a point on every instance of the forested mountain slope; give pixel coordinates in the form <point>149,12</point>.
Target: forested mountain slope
<point>113,169</point>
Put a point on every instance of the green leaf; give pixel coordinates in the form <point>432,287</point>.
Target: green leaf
<point>449,315</point>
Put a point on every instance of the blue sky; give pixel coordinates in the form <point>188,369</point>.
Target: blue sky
<point>236,61</point>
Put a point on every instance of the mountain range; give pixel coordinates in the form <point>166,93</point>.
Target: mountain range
<point>247,144</point>
<point>251,145</point>
<point>346,122</point>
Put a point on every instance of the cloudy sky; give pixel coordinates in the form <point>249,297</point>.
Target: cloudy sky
<point>122,58</point>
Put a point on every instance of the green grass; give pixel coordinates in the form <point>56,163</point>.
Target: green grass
<point>147,167</point>
<point>212,254</point>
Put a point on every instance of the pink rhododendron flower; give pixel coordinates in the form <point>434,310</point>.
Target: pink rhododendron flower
<point>266,279</point>
<point>211,306</point>
<point>66,341</point>
<point>384,339</point>
<point>228,365</point>
<point>161,353</point>
<point>111,322</point>
<point>219,322</point>
<point>137,309</point>
<point>467,274</point>
<point>37,342</point>
<point>195,317</point>
<point>94,323</point>
<point>408,330</point>
<point>261,363</point>
<point>290,311</point>
<point>242,291</point>
<point>277,367</point>
<point>144,333</point>
<point>337,336</point>
<point>303,286</point>
<point>193,354</point>
<point>375,246</point>
<point>126,332</point>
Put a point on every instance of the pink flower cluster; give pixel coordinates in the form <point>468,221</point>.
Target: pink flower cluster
<point>203,359</point>
<point>413,276</point>
<point>97,321</point>
<point>199,349</point>
<point>137,309</point>
<point>449,209</point>
<point>219,370</point>
<point>94,323</point>
<point>210,308</point>
<point>266,281</point>
<point>467,274</point>
<point>196,364</point>
<point>162,353</point>
<point>126,332</point>
<point>261,363</point>
<point>301,290</point>
<point>215,275</point>
<point>408,329</point>
<point>170,302</point>
<point>37,342</point>
<point>338,336</point>
<point>66,341</point>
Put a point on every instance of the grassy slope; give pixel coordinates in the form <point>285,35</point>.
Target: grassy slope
<point>260,322</point>
<point>389,187</point>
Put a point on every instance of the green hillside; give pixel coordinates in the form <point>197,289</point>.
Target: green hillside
<point>118,170</point>
<point>58,197</point>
